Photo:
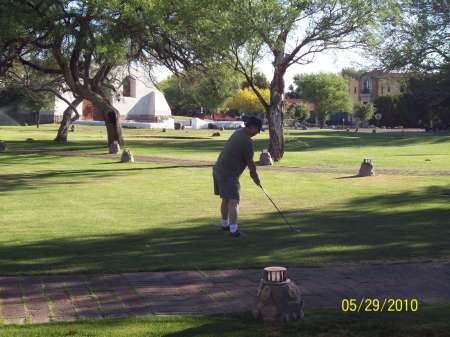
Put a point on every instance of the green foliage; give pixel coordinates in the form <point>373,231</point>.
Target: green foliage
<point>364,111</point>
<point>329,93</point>
<point>417,38</point>
<point>427,103</point>
<point>397,111</point>
<point>430,98</point>
<point>301,112</point>
<point>199,88</point>
<point>259,80</point>
<point>32,101</point>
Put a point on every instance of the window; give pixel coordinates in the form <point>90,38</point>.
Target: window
<point>129,87</point>
<point>367,85</point>
<point>354,91</point>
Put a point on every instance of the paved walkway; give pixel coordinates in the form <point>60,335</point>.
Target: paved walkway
<point>39,299</point>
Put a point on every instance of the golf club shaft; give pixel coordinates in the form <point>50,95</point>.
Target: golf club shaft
<point>273,203</point>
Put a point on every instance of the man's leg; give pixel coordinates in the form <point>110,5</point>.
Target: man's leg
<point>233,214</point>
<point>224,213</point>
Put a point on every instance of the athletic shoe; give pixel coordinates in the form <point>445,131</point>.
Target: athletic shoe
<point>225,228</point>
<point>235,234</point>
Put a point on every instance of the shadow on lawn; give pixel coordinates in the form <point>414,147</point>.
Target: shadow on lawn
<point>25,181</point>
<point>321,140</point>
<point>304,141</point>
<point>384,227</point>
<point>295,141</point>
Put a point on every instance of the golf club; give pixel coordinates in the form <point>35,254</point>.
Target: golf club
<point>293,229</point>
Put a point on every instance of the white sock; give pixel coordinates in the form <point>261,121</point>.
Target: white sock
<point>233,227</point>
<point>224,222</point>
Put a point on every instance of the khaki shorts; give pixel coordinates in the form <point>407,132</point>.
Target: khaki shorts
<point>227,187</point>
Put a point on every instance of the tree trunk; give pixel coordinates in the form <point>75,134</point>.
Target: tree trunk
<point>38,119</point>
<point>275,115</point>
<point>67,121</point>
<point>111,117</point>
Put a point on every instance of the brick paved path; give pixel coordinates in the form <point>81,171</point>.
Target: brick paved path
<point>73,297</point>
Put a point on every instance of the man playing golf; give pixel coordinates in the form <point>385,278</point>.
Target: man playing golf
<point>235,156</point>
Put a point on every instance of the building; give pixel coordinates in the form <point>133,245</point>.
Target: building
<point>373,84</point>
<point>136,99</point>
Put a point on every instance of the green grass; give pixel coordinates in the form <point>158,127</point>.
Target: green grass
<point>429,321</point>
<point>312,148</point>
<point>78,214</point>
<point>91,214</point>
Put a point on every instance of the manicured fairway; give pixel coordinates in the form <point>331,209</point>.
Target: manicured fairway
<point>311,148</point>
<point>91,214</point>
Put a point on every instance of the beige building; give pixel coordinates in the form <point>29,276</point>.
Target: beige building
<point>374,84</point>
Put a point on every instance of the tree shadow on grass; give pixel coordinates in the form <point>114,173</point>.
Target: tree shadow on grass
<point>48,145</point>
<point>295,141</point>
<point>398,226</point>
<point>321,140</point>
<point>35,180</point>
<point>327,323</point>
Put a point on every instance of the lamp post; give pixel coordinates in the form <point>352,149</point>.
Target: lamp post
<point>378,118</point>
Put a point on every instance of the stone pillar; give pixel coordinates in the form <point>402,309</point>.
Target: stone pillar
<point>265,158</point>
<point>279,299</point>
<point>127,156</point>
<point>366,168</point>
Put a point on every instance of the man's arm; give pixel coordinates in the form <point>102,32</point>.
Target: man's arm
<point>253,173</point>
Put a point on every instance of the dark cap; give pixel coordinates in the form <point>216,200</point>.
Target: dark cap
<point>253,121</point>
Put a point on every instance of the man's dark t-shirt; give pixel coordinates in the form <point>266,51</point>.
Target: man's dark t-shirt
<point>236,154</point>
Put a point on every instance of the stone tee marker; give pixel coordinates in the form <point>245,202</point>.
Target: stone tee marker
<point>366,169</point>
<point>265,158</point>
<point>127,156</point>
<point>279,299</point>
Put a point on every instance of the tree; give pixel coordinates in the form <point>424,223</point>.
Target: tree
<point>292,32</point>
<point>84,41</point>
<point>429,99</point>
<point>329,93</point>
<point>418,42</point>
<point>38,91</point>
<point>301,112</point>
<point>418,39</point>
<point>208,88</point>
<point>259,81</point>
<point>364,112</point>
<point>246,101</point>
